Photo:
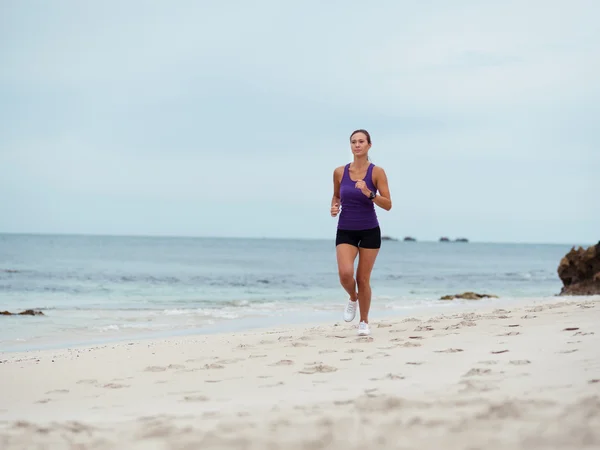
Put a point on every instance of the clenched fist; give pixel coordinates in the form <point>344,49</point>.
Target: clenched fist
<point>335,209</point>
<point>360,184</point>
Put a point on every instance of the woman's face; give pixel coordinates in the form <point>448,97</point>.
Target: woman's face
<point>359,144</point>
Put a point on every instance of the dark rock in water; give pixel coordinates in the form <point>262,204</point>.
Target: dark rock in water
<point>468,296</point>
<point>409,239</point>
<point>444,239</point>
<point>461,240</point>
<point>388,238</point>
<point>27,312</point>
<point>579,271</point>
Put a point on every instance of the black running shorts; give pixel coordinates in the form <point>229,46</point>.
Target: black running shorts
<point>370,238</point>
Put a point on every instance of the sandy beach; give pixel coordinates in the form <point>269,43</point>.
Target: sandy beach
<point>526,377</point>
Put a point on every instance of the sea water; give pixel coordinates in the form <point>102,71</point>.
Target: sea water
<point>96,289</point>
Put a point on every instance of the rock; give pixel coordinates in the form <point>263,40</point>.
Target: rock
<point>27,312</point>
<point>468,296</point>
<point>444,239</point>
<point>461,240</point>
<point>579,271</point>
<point>409,239</point>
<point>388,238</point>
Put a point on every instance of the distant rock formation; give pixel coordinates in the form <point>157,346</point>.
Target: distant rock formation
<point>388,238</point>
<point>409,239</point>
<point>579,271</point>
<point>468,296</point>
<point>447,239</point>
<point>27,312</point>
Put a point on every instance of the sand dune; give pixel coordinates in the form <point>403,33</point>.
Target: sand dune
<point>521,378</point>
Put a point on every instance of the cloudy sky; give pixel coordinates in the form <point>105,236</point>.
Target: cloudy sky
<point>227,118</point>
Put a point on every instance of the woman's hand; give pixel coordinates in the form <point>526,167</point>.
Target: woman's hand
<point>335,209</point>
<point>360,184</point>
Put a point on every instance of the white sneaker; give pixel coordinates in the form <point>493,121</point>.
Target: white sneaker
<point>350,311</point>
<point>363,329</point>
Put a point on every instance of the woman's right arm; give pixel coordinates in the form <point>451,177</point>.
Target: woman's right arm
<point>335,200</point>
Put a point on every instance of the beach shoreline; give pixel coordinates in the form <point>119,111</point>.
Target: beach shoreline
<point>307,317</point>
<point>524,376</point>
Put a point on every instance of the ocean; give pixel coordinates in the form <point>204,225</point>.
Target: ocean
<point>98,289</point>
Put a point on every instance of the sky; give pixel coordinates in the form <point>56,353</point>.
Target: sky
<point>228,118</point>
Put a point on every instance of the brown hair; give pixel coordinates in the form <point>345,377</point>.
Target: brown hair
<point>365,132</point>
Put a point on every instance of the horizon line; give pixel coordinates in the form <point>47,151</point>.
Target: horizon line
<point>386,237</point>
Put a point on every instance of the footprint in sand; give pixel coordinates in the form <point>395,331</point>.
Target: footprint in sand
<point>415,337</point>
<point>213,366</point>
<point>354,350</point>
<point>596,380</point>
<point>229,361</point>
<point>155,369</point>
<point>510,333</point>
<point>321,368</point>
<point>424,328</point>
<point>489,363</point>
<point>384,325</point>
<point>450,350</point>
<point>464,323</point>
<point>410,344</point>
<point>568,351</point>
<point>378,355</point>
<point>476,371</point>
<point>345,359</point>
<point>175,367</point>
<point>415,363</point>
<point>115,386</point>
<point>298,344</point>
<point>571,329</point>
<point>195,398</point>
<point>44,400</point>
<point>520,362</point>
<point>283,362</point>
<point>496,352</point>
<point>397,331</point>
<point>327,351</point>
<point>87,382</point>
<point>257,356</point>
<point>389,376</point>
<point>58,391</point>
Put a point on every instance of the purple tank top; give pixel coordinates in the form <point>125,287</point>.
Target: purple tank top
<point>357,210</point>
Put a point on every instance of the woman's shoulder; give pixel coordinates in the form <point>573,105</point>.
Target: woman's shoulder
<point>339,170</point>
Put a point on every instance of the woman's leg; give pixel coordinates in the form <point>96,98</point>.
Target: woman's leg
<point>366,261</point>
<point>346,255</point>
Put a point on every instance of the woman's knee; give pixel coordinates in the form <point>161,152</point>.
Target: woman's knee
<point>363,280</point>
<point>346,275</point>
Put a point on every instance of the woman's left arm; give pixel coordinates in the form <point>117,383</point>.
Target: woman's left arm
<point>383,199</point>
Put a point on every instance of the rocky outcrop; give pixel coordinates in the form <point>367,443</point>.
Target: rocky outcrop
<point>27,312</point>
<point>468,296</point>
<point>579,271</point>
<point>409,239</point>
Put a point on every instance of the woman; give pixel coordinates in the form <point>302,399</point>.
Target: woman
<point>355,189</point>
